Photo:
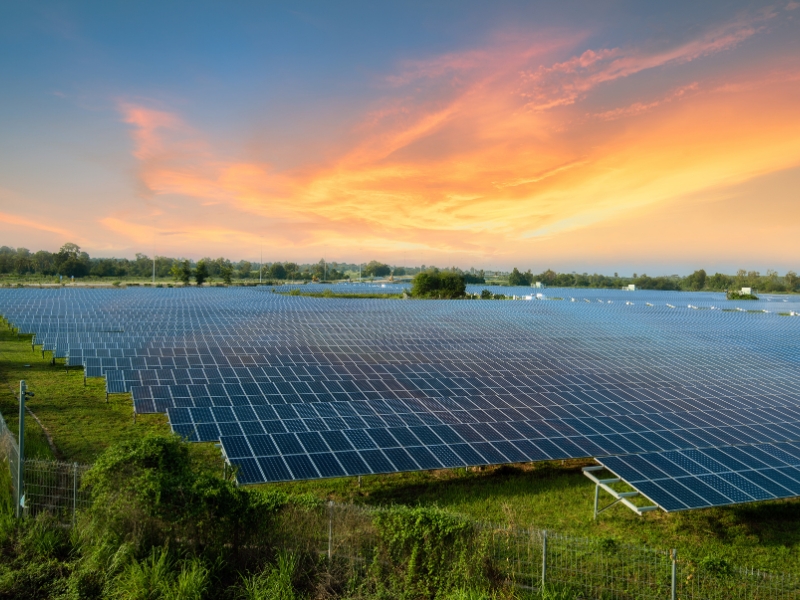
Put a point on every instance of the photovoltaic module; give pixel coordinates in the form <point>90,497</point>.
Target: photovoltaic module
<point>691,398</point>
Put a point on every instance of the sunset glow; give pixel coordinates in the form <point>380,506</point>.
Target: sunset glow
<point>537,142</point>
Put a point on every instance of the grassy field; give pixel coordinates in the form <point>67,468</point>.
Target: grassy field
<point>550,495</point>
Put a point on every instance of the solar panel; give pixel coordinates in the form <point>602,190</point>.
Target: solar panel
<point>297,387</point>
<point>687,479</point>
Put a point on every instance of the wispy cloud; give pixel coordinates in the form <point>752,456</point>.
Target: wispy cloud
<point>564,83</point>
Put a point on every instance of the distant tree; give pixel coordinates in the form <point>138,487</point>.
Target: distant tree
<point>70,261</point>
<point>548,277</point>
<point>291,270</point>
<point>377,269</point>
<point>696,281</point>
<point>517,278</point>
<point>226,272</point>
<point>718,281</point>
<point>245,269</point>
<point>399,271</point>
<point>791,280</point>
<point>277,271</point>
<point>185,272</point>
<point>486,295</point>
<point>438,284</point>
<point>474,277</point>
<point>201,272</point>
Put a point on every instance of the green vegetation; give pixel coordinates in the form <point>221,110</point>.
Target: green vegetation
<point>438,284</point>
<point>741,296</point>
<point>697,281</point>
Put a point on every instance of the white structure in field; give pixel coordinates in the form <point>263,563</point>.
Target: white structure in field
<point>538,284</point>
<point>631,287</point>
<point>747,290</point>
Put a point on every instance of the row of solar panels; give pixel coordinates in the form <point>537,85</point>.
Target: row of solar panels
<point>712,476</point>
<point>606,360</point>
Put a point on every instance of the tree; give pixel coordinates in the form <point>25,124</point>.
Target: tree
<point>226,272</point>
<point>181,270</point>
<point>291,270</point>
<point>791,280</point>
<point>244,269</point>
<point>486,295</point>
<point>277,271</point>
<point>696,281</point>
<point>377,269</point>
<point>201,272</point>
<point>70,261</point>
<point>517,278</point>
<point>438,284</point>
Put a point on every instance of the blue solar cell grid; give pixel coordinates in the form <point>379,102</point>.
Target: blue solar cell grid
<point>692,397</point>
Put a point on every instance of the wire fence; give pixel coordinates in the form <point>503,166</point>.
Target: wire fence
<point>47,485</point>
<point>586,568</point>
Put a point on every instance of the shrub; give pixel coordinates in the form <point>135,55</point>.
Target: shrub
<point>424,553</point>
<point>147,493</point>
<point>438,284</point>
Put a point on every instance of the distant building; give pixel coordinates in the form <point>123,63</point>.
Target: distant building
<point>631,287</point>
<point>747,291</point>
<point>538,284</point>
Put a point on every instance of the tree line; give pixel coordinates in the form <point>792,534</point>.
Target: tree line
<point>697,281</point>
<point>71,261</point>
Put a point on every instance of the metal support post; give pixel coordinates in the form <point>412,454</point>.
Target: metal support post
<point>330,529</point>
<point>544,558</point>
<point>596,499</point>
<point>674,594</point>
<point>21,442</point>
<point>74,491</point>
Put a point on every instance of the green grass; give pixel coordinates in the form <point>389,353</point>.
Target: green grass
<point>550,495</point>
<point>80,421</point>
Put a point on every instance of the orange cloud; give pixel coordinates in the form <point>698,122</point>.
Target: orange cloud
<point>454,163</point>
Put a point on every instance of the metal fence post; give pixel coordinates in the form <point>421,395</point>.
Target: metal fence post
<point>21,445</point>
<point>74,491</point>
<point>674,574</point>
<point>330,529</point>
<point>544,558</point>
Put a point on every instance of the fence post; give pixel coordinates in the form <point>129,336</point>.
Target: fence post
<point>21,444</point>
<point>674,594</point>
<point>330,529</point>
<point>74,491</point>
<point>544,558</point>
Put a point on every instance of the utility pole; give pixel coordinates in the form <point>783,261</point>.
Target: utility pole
<point>261,264</point>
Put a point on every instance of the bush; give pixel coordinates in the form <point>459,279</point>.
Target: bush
<point>438,284</point>
<point>424,553</point>
<point>146,493</point>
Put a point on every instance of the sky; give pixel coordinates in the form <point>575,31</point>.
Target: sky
<point>600,136</point>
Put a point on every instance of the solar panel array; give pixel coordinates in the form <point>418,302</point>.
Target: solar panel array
<point>296,387</point>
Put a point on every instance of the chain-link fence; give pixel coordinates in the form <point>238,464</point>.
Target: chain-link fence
<point>588,568</point>
<point>47,485</point>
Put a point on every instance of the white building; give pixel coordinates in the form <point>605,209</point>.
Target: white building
<point>631,287</point>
